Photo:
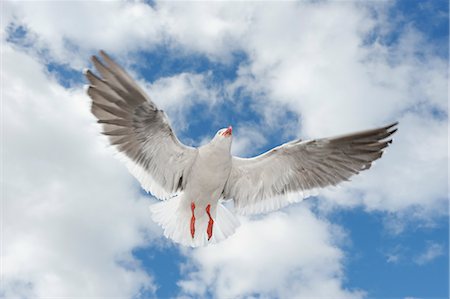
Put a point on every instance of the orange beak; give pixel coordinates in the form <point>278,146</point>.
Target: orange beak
<point>228,131</point>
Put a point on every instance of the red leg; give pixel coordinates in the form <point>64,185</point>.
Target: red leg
<point>192,220</point>
<point>209,230</point>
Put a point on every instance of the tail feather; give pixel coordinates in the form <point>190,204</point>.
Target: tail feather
<point>175,222</point>
<point>227,223</point>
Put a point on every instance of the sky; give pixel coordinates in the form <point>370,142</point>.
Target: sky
<point>76,224</point>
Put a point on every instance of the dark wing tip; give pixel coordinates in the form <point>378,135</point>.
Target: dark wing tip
<point>109,60</point>
<point>392,128</point>
<point>393,131</point>
<point>103,53</point>
<point>88,72</point>
<point>90,91</point>
<point>92,78</point>
<point>95,59</point>
<point>391,125</point>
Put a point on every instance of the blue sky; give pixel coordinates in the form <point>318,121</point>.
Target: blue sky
<point>76,224</point>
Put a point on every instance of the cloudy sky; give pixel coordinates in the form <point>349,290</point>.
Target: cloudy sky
<point>75,223</point>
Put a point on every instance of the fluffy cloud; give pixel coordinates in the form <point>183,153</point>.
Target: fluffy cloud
<point>289,254</point>
<point>246,139</point>
<point>82,27</point>
<point>179,93</point>
<point>312,58</point>
<point>71,213</point>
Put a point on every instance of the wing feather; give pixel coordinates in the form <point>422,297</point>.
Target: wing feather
<point>290,171</point>
<point>138,129</point>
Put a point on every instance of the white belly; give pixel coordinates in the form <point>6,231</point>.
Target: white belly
<point>207,179</point>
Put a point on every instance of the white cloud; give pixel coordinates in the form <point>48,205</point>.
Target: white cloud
<point>247,139</point>
<point>180,93</point>
<point>401,254</point>
<point>217,33</point>
<point>307,57</point>
<point>124,27</point>
<point>284,254</point>
<point>71,31</point>
<point>71,213</point>
<point>432,252</point>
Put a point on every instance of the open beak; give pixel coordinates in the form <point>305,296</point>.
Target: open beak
<point>228,131</point>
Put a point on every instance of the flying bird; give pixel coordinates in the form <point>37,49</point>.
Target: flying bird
<point>194,182</point>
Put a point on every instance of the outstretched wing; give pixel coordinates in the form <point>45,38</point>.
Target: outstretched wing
<point>139,130</point>
<point>289,172</point>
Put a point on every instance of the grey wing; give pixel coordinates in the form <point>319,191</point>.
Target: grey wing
<point>288,173</point>
<point>139,130</point>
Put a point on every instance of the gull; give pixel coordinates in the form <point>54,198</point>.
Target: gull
<point>193,183</point>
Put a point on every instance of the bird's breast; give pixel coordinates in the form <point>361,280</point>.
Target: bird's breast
<point>209,175</point>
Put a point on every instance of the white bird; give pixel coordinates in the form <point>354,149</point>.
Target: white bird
<point>194,181</point>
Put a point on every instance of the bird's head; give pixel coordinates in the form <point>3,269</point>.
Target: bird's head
<point>224,136</point>
<point>225,132</point>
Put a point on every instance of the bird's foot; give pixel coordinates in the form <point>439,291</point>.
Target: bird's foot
<point>193,220</point>
<point>209,230</point>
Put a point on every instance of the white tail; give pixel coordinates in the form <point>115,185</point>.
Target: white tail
<point>175,220</point>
